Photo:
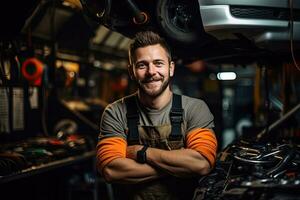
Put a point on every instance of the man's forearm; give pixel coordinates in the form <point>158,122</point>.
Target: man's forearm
<point>181,163</point>
<point>124,170</point>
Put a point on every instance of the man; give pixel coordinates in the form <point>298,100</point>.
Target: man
<point>149,147</point>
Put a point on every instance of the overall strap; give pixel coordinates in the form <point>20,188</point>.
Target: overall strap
<point>176,117</point>
<point>132,119</point>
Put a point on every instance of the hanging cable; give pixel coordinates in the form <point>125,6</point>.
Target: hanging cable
<point>267,98</point>
<point>264,72</point>
<point>45,92</point>
<point>291,24</point>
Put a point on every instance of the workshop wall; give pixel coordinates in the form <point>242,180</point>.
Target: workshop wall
<point>59,70</point>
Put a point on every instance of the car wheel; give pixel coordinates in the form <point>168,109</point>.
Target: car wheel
<point>179,20</point>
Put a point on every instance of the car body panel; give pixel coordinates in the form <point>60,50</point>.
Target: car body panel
<point>273,33</point>
<point>259,3</point>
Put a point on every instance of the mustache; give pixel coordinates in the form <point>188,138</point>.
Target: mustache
<point>150,79</point>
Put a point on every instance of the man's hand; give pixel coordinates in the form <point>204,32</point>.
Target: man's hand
<point>132,150</point>
<point>127,170</point>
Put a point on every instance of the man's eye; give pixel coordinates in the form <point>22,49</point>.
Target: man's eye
<point>159,64</point>
<point>141,65</point>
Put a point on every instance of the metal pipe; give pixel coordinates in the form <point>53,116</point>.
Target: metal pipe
<point>139,16</point>
<point>278,122</point>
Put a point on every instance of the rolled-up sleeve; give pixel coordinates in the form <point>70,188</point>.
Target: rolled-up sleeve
<point>109,149</point>
<point>203,141</point>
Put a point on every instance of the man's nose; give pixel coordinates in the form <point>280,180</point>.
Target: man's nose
<point>151,69</point>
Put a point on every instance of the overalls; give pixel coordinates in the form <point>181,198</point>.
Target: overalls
<point>168,137</point>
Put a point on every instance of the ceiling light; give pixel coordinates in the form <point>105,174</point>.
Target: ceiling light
<point>226,76</point>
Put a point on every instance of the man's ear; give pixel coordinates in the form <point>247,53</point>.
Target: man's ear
<point>172,68</point>
<point>130,72</point>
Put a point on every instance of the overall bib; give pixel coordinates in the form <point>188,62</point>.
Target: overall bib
<point>167,137</point>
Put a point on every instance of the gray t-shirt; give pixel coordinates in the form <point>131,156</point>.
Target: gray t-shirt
<point>114,122</point>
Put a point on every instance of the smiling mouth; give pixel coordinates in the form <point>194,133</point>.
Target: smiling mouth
<point>151,81</point>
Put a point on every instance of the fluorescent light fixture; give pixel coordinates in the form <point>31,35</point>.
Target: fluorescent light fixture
<point>225,76</point>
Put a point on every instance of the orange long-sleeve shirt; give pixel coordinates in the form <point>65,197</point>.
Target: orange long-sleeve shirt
<point>200,140</point>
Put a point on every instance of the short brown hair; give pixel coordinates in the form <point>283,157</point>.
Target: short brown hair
<point>147,38</point>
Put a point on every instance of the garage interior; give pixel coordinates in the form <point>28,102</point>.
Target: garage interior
<point>62,64</point>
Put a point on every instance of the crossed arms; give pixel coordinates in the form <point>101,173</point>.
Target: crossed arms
<point>117,161</point>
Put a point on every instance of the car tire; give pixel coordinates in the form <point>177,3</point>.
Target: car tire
<point>179,20</point>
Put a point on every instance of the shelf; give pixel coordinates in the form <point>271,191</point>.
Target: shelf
<point>34,170</point>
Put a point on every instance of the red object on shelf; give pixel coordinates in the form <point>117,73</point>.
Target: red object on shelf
<point>32,70</point>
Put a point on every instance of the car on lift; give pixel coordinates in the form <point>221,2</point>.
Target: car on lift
<point>200,26</point>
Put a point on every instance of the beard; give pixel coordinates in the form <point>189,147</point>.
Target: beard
<point>153,92</point>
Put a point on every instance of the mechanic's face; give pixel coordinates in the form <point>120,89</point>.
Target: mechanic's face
<point>152,70</point>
